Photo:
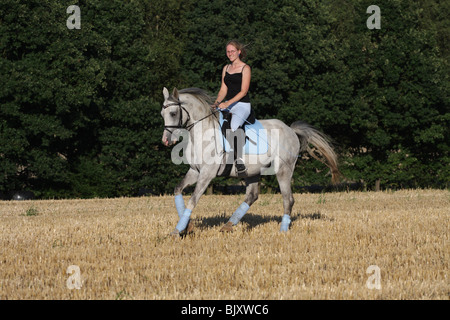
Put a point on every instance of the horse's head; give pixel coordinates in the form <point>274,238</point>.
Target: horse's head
<point>174,115</point>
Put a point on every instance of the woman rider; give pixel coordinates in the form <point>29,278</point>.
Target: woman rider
<point>233,95</point>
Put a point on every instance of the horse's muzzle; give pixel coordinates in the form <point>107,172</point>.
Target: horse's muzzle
<point>167,139</point>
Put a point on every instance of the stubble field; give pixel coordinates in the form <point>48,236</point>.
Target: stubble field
<point>340,246</point>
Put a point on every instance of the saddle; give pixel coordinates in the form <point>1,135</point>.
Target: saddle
<point>255,134</point>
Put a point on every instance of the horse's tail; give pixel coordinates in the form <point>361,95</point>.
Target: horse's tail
<point>308,135</point>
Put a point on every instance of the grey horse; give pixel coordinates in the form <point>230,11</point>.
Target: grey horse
<point>187,113</point>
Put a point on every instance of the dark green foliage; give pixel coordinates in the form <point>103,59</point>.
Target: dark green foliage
<point>80,109</point>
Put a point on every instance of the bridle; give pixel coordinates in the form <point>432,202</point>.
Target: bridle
<point>184,125</point>
<point>180,125</point>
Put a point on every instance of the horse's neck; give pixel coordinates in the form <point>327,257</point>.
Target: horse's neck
<point>204,126</point>
<point>199,114</point>
<point>205,120</point>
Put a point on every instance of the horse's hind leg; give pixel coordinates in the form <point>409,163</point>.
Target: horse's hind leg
<point>284,176</point>
<point>251,195</point>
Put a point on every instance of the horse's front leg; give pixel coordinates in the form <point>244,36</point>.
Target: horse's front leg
<point>251,195</point>
<point>189,179</point>
<point>207,173</point>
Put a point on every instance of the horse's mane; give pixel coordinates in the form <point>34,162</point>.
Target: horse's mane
<point>200,94</point>
<point>205,99</point>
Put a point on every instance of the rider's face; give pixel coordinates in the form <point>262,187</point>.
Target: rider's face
<point>232,52</point>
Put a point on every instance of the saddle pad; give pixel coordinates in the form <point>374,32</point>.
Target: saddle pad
<point>257,138</point>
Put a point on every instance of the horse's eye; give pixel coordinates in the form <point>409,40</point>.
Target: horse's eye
<point>173,114</point>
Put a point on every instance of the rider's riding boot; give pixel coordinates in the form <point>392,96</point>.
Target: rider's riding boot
<point>239,162</point>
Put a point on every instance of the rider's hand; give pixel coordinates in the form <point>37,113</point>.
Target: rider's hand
<point>223,105</point>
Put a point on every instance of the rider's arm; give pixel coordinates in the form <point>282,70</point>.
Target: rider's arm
<point>223,89</point>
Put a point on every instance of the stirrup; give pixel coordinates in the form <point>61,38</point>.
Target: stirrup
<point>240,166</point>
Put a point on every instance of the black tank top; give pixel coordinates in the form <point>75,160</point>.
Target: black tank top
<point>234,84</point>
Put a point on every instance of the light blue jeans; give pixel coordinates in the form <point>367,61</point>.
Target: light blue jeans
<point>240,112</point>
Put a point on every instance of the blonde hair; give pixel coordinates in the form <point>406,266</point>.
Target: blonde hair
<point>239,46</point>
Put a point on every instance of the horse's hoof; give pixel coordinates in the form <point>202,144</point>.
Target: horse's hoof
<point>228,227</point>
<point>175,233</point>
<point>190,227</point>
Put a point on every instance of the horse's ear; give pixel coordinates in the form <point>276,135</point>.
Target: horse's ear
<point>175,94</point>
<point>166,93</point>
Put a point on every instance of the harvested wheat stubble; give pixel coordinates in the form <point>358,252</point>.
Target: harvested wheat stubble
<point>123,251</point>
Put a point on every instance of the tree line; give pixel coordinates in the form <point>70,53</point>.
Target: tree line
<point>80,108</point>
